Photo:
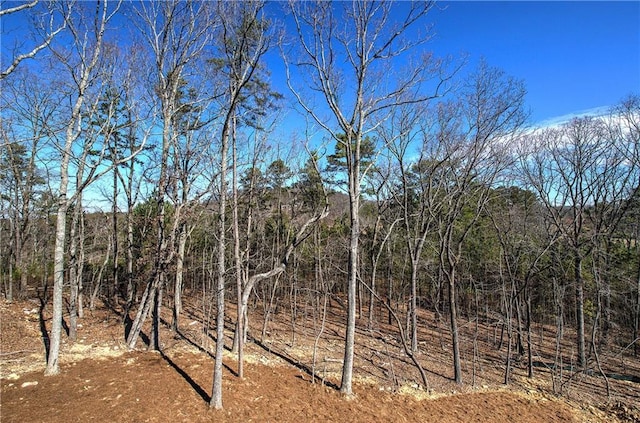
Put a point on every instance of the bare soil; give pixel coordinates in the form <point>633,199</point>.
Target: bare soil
<point>101,381</point>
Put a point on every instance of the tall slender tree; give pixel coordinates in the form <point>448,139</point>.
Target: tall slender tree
<point>414,196</point>
<point>465,153</point>
<point>358,95</point>
<point>83,62</point>
<point>242,43</point>
<point>177,34</point>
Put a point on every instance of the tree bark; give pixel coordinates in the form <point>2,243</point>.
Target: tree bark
<point>177,294</point>
<point>353,163</point>
<point>58,273</point>
<point>579,293</point>
<point>216,395</point>
<point>455,341</point>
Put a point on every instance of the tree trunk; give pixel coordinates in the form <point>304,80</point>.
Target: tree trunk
<point>97,279</point>
<point>177,294</point>
<point>457,368</point>
<point>636,320</point>
<point>606,321</point>
<point>389,283</point>
<point>9,285</point>
<point>354,235</point>
<point>154,339</point>
<point>148,297</point>
<point>80,272</point>
<point>582,359</point>
<point>58,279</point>
<point>269,308</point>
<point>19,263</point>
<point>23,282</point>
<point>293,298</point>
<point>374,264</point>
<point>529,343</point>
<point>414,311</point>
<point>73,271</point>
<point>509,305</point>
<point>216,392</point>
<point>114,235</point>
<point>130,258</point>
<point>19,240</point>
<point>238,337</point>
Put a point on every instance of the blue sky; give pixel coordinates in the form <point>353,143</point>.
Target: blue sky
<point>573,56</point>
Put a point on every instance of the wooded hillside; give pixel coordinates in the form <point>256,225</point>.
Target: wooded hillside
<point>141,163</point>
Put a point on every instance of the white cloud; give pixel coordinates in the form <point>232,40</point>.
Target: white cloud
<point>557,121</point>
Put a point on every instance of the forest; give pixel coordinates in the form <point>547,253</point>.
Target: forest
<point>305,163</point>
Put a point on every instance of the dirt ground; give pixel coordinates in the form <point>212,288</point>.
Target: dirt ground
<point>113,384</point>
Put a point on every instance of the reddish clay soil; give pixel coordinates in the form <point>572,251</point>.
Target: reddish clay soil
<point>100,381</point>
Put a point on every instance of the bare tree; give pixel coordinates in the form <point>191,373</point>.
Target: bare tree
<point>629,113</point>
<point>414,200</point>
<point>27,107</point>
<point>253,121</point>
<point>586,184</point>
<point>358,95</point>
<point>190,177</point>
<point>177,34</point>
<point>102,127</point>
<point>83,62</point>
<point>464,153</point>
<point>616,188</point>
<point>383,226</point>
<point>245,203</point>
<point>46,28</point>
<point>518,220</point>
<point>242,43</point>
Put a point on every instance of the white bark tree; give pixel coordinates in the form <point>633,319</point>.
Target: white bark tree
<point>45,30</point>
<point>82,59</point>
<point>347,57</point>
<point>242,43</point>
